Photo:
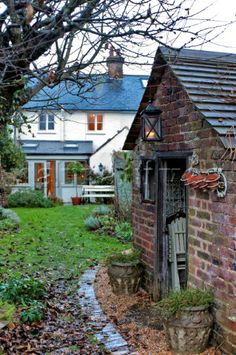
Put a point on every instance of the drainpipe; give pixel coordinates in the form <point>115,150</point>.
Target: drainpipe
<point>63,126</point>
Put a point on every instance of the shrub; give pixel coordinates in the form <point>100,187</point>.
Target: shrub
<point>124,232</point>
<point>9,220</point>
<point>29,198</point>
<point>179,300</point>
<point>33,313</point>
<point>92,223</point>
<point>101,211</point>
<point>7,213</point>
<point>131,256</point>
<point>7,311</point>
<point>107,224</point>
<point>22,290</point>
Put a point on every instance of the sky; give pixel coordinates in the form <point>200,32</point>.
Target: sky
<point>220,14</point>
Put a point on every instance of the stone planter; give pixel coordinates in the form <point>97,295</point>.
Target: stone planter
<point>124,277</point>
<point>189,331</point>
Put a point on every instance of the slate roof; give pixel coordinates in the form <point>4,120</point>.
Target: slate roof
<point>67,148</point>
<point>103,94</point>
<point>210,81</point>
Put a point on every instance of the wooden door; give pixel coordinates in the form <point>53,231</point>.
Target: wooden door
<point>171,202</point>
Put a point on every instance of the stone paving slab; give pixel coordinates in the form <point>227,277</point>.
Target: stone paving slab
<point>106,333</point>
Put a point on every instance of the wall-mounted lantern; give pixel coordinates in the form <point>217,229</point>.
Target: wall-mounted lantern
<point>151,123</point>
<point>101,167</point>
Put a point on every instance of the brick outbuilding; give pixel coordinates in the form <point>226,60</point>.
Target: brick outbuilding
<point>196,94</point>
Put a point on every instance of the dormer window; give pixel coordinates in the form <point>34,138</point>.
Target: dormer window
<point>46,122</point>
<point>95,122</point>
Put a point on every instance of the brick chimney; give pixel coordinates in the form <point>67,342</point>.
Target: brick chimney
<point>115,64</point>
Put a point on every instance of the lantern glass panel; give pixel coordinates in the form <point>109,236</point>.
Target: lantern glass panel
<point>152,128</point>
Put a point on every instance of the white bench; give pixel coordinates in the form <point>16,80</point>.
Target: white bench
<point>97,191</point>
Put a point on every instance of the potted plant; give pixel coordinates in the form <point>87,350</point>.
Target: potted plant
<point>187,319</point>
<point>77,169</point>
<point>125,271</point>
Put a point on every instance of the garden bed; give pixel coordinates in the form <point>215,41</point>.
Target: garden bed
<point>135,318</point>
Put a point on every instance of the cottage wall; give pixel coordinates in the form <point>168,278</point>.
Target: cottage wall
<point>212,220</point>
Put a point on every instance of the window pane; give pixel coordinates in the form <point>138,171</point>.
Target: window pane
<point>39,176</point>
<point>99,122</point>
<point>148,180</point>
<point>69,177</point>
<point>51,122</point>
<point>42,122</point>
<point>91,122</point>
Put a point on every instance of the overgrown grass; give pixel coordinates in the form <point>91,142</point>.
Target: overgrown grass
<point>53,242</point>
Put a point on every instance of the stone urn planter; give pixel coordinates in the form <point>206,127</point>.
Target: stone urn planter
<point>125,272</point>
<point>189,331</point>
<point>187,320</point>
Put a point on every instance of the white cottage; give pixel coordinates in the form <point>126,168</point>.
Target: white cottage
<point>67,126</point>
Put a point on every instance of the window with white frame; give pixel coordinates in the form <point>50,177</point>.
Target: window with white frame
<point>46,122</point>
<point>148,180</point>
<point>69,177</point>
<point>95,122</point>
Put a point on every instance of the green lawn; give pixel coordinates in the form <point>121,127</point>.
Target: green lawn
<point>53,242</point>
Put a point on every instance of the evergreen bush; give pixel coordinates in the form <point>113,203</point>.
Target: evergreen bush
<point>101,211</point>
<point>29,198</point>
<point>92,223</point>
<point>124,232</point>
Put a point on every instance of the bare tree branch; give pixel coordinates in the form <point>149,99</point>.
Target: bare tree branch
<point>51,40</point>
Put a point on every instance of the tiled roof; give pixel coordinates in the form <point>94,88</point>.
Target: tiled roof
<point>103,94</point>
<point>68,148</point>
<point>210,81</point>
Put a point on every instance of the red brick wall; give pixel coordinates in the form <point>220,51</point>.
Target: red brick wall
<point>212,220</point>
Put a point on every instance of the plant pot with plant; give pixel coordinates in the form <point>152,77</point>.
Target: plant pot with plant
<point>187,319</point>
<point>77,169</point>
<point>125,272</point>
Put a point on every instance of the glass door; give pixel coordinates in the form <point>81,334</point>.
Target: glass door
<point>40,174</point>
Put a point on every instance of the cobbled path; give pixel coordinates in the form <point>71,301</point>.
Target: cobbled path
<point>105,332</point>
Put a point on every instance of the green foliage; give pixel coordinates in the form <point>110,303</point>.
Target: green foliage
<point>29,198</point>
<point>9,214</point>
<point>124,232</point>
<point>102,210</point>
<point>22,290</point>
<point>179,300</point>
<point>7,225</point>
<point>92,223</point>
<point>127,173</point>
<point>9,220</point>
<point>7,311</point>
<point>11,154</point>
<point>106,178</point>
<point>33,313</point>
<point>108,224</point>
<point>131,256</point>
<point>76,168</point>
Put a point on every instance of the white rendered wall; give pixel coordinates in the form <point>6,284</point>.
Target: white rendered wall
<point>104,155</point>
<point>73,126</point>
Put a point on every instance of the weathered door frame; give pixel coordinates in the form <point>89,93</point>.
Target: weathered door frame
<point>159,286</point>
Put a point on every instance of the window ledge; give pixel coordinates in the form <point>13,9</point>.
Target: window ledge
<point>96,133</point>
<point>45,132</point>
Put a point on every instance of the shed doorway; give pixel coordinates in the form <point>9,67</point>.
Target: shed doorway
<point>171,235</point>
